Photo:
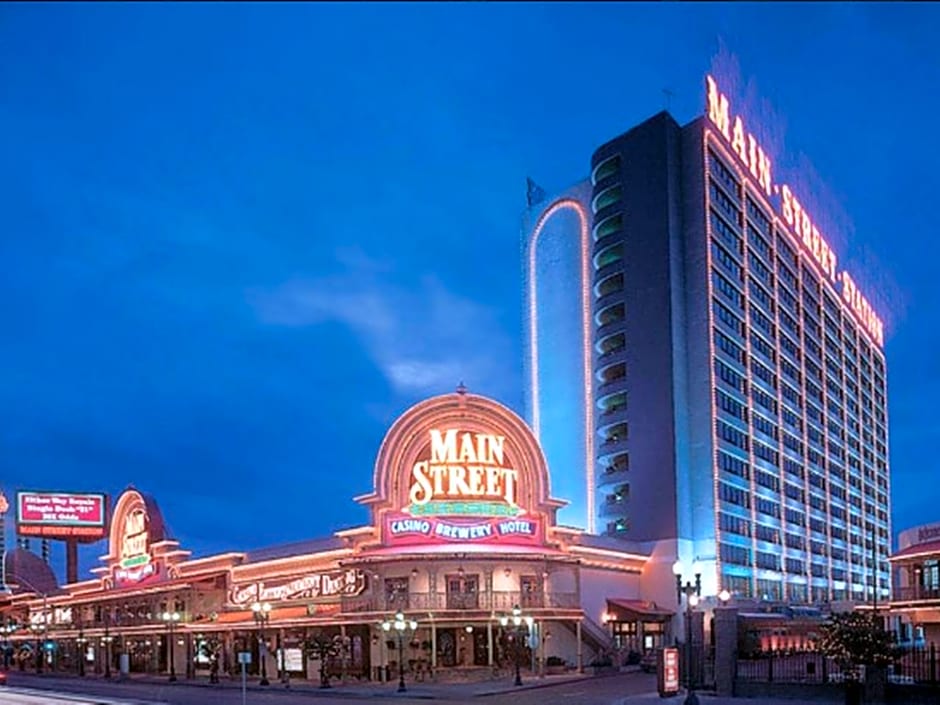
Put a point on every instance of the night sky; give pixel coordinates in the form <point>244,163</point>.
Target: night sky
<point>239,240</point>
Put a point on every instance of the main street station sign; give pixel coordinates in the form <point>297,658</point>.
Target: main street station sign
<point>461,469</point>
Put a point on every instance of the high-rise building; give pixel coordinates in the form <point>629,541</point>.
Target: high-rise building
<point>700,369</point>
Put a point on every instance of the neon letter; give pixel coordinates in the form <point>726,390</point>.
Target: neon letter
<point>718,108</point>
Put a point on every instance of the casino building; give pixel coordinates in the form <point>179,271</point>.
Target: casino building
<point>462,530</point>
<point>701,371</point>
<point>915,598</point>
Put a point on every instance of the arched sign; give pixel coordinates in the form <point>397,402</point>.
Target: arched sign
<point>461,469</point>
<point>136,525</point>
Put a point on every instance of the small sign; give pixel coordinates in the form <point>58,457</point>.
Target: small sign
<point>244,657</point>
<point>667,672</point>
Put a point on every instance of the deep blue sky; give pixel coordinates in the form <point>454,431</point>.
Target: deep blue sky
<point>239,240</point>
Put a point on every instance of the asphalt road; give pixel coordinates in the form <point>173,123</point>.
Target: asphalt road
<point>610,690</point>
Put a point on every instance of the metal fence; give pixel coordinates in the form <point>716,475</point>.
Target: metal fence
<point>916,665</point>
<point>913,665</point>
<point>789,667</point>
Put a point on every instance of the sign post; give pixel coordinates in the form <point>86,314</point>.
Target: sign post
<point>667,672</point>
<point>244,658</point>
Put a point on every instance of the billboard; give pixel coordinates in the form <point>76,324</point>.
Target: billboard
<point>62,515</point>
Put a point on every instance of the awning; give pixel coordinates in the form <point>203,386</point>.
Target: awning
<point>637,610</point>
<point>278,614</point>
<point>918,549</point>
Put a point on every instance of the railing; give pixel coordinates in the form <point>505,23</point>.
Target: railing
<point>915,592</point>
<point>917,665</point>
<point>789,667</point>
<point>496,600</point>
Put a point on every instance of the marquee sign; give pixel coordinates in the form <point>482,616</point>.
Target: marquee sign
<point>461,469</point>
<point>135,527</point>
<point>404,530</point>
<point>463,473</point>
<point>928,533</point>
<point>307,587</point>
<point>61,515</point>
<point>800,222</point>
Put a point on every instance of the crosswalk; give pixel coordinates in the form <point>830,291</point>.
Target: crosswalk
<point>28,696</point>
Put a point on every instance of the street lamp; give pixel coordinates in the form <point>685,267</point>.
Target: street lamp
<point>39,631</point>
<point>171,618</point>
<point>7,630</point>
<point>80,647</point>
<point>519,633</point>
<point>692,592</point>
<point>262,613</point>
<point>400,625</point>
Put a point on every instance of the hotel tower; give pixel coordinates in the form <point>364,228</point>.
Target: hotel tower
<point>701,370</point>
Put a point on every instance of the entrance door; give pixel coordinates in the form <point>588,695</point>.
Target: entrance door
<point>462,592</point>
<point>446,648</point>
<point>481,648</point>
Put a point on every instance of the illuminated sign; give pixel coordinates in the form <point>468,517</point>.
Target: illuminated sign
<point>461,470</point>
<point>4,505</point>
<point>669,678</point>
<point>463,473</point>
<point>135,527</point>
<point>928,533</point>
<point>407,530</point>
<point>313,586</point>
<point>800,222</point>
<point>61,514</point>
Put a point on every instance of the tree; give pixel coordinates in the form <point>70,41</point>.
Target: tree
<point>854,639</point>
<point>323,647</point>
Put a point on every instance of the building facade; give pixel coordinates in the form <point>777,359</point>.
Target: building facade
<point>915,598</point>
<point>462,530</point>
<point>737,401</point>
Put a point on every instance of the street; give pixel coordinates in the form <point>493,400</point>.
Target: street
<point>609,690</point>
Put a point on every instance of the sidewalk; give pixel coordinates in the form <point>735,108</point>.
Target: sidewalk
<point>706,699</point>
<point>428,691</point>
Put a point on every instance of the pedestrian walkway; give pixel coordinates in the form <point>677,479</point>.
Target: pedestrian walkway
<point>706,699</point>
<point>429,691</point>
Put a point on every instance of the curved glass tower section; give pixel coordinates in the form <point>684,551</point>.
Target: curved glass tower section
<point>557,326</point>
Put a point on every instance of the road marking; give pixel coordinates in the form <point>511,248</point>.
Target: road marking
<point>33,696</point>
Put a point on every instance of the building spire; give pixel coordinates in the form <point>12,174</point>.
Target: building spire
<point>534,192</point>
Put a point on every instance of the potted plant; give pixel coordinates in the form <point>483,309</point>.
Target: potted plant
<point>555,665</point>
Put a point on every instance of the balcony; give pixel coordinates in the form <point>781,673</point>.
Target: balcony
<point>496,600</point>
<point>915,593</point>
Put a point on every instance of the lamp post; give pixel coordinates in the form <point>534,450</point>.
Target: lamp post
<point>692,592</point>
<point>7,628</point>
<point>400,625</point>
<point>519,631</point>
<point>171,619</point>
<point>262,613</point>
<point>80,648</point>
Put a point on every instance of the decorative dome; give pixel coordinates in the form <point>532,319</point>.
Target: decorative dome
<point>24,571</point>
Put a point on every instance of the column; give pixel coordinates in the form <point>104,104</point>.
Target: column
<point>577,585</point>
<point>433,645</point>
<point>489,642</point>
<point>346,652</point>
<point>577,631</point>
<point>488,587</point>
<point>541,649</point>
<point>726,649</point>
